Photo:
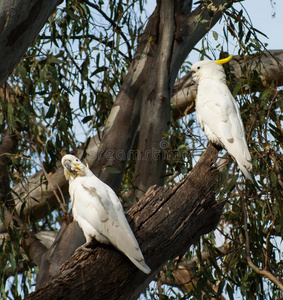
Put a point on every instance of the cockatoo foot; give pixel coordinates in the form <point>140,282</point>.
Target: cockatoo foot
<point>85,247</point>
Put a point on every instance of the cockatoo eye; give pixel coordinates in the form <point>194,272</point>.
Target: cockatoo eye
<point>198,67</point>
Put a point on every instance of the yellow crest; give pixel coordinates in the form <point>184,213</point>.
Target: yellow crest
<point>224,60</point>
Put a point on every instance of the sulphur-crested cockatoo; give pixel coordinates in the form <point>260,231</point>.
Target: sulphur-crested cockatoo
<point>217,112</point>
<point>99,212</point>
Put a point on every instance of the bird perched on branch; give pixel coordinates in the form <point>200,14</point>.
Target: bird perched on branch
<point>218,114</point>
<point>99,212</point>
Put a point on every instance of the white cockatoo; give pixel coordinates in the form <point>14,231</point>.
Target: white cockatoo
<point>217,112</point>
<point>99,212</point>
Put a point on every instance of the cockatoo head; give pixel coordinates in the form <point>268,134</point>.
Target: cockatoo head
<point>73,167</point>
<point>209,69</point>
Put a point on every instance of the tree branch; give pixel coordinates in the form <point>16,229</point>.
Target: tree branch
<point>166,222</point>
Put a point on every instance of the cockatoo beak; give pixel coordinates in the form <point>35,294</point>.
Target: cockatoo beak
<point>68,166</point>
<point>194,77</point>
<point>224,60</point>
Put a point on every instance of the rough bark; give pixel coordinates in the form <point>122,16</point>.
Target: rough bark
<point>166,222</point>
<point>20,22</point>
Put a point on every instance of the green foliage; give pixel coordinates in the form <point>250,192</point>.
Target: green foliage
<point>65,87</point>
<point>16,263</point>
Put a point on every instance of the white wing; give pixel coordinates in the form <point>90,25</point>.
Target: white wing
<point>219,116</point>
<point>98,205</point>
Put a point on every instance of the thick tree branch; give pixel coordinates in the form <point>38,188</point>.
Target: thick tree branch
<point>190,30</point>
<point>166,222</point>
<point>154,115</point>
<point>20,22</point>
<point>69,238</point>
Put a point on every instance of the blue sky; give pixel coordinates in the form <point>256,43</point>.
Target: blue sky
<point>260,12</point>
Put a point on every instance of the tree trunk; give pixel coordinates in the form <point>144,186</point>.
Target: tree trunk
<point>20,23</point>
<point>124,119</point>
<point>155,112</point>
<point>166,222</point>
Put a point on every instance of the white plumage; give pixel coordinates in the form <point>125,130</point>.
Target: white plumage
<point>218,114</point>
<point>99,212</point>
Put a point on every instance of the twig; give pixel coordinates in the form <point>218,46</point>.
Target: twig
<point>269,234</point>
<point>276,167</point>
<point>249,260</point>
<point>159,288</point>
<point>116,27</point>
